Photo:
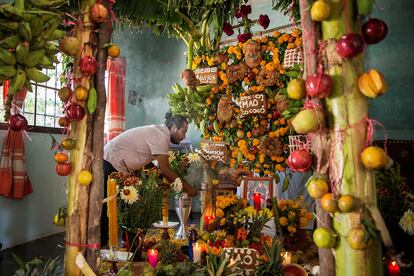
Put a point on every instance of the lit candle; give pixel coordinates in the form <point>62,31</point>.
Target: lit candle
<point>112,213</point>
<point>196,252</point>
<point>153,257</point>
<point>287,258</point>
<point>257,200</point>
<point>208,220</point>
<point>394,269</point>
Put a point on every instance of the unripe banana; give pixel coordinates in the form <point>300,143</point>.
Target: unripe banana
<point>45,62</point>
<point>35,75</point>
<point>7,25</point>
<point>9,11</point>
<point>51,49</point>
<point>56,34</point>
<point>18,81</point>
<point>22,52</point>
<point>92,100</point>
<point>48,3</point>
<point>28,85</point>
<point>34,57</point>
<point>36,25</point>
<point>11,42</point>
<point>8,70</point>
<point>25,31</point>
<point>7,57</point>
<point>38,44</point>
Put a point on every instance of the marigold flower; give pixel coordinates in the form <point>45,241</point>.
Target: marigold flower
<point>283,221</point>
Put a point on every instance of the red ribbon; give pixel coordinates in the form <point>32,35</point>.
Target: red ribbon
<point>92,246</point>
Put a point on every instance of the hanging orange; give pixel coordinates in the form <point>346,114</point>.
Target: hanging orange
<point>84,178</point>
<point>328,203</point>
<point>113,51</point>
<point>372,84</point>
<point>81,93</point>
<point>374,158</point>
<point>61,157</point>
<point>68,143</point>
<point>63,122</point>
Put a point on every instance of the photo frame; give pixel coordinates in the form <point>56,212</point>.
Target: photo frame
<point>263,185</point>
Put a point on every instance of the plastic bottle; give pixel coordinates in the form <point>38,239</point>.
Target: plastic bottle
<point>192,238</point>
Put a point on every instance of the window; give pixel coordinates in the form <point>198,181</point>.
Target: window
<point>42,107</point>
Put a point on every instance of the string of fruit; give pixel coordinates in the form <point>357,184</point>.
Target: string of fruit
<point>311,120</point>
<point>28,34</point>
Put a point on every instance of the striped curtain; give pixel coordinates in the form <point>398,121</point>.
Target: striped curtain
<point>115,116</point>
<point>14,182</point>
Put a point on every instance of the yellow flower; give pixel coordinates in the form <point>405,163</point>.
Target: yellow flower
<point>291,229</point>
<point>222,221</point>
<point>219,213</point>
<point>220,234</point>
<point>291,215</point>
<point>266,212</point>
<point>129,194</point>
<point>283,221</point>
<point>250,211</point>
<point>303,221</point>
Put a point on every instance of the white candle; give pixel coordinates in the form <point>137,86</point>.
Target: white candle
<point>196,252</point>
<point>287,258</point>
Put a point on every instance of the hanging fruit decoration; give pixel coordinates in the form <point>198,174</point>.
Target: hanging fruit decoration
<point>299,161</point>
<point>63,169</point>
<point>65,93</point>
<point>308,120</point>
<point>75,112</point>
<point>319,85</point>
<point>350,45</point>
<point>372,84</point>
<point>328,203</point>
<point>81,93</point>
<point>88,66</point>
<point>317,187</point>
<point>357,238</point>
<point>61,157</point>
<point>296,89</point>
<point>70,45</point>
<point>347,203</point>
<point>321,10</point>
<point>113,51</point>
<point>68,143</point>
<point>374,158</point>
<point>374,31</point>
<point>98,13</point>
<point>84,178</point>
<point>17,122</point>
<point>324,237</point>
<point>63,122</point>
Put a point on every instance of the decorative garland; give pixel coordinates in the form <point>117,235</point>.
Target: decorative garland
<point>259,141</point>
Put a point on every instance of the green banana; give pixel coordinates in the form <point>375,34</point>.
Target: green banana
<point>50,27</point>
<point>365,6</point>
<point>36,25</point>
<point>11,42</point>
<point>28,85</point>
<point>54,58</point>
<point>92,100</point>
<point>45,62</point>
<point>9,11</point>
<point>39,43</point>
<point>22,52</point>
<point>34,57</point>
<point>7,57</point>
<point>8,70</point>
<point>56,34</point>
<point>28,17</point>
<point>35,75</point>
<point>25,31</point>
<point>3,78</point>
<point>7,25</point>
<point>216,126</point>
<point>17,81</point>
<point>51,48</point>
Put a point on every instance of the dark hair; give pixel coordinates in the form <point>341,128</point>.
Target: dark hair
<point>176,120</point>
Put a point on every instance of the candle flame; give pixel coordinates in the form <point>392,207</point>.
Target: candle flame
<point>394,263</point>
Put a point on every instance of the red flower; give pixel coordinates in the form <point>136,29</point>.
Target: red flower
<point>264,21</point>
<point>228,29</point>
<point>238,13</point>
<point>244,37</point>
<point>245,10</point>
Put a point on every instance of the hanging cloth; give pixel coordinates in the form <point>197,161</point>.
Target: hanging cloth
<point>14,182</point>
<point>116,97</point>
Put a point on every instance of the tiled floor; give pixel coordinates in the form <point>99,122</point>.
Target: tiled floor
<point>48,247</point>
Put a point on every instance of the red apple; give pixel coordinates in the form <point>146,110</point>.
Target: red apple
<point>374,31</point>
<point>319,85</point>
<point>63,169</point>
<point>75,112</point>
<point>350,45</point>
<point>17,122</point>
<point>299,161</point>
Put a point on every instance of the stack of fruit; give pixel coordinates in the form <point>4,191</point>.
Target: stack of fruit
<point>28,31</point>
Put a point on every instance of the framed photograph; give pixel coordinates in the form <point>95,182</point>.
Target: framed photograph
<point>262,185</point>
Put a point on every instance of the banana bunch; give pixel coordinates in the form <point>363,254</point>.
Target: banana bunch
<point>189,102</point>
<point>28,42</point>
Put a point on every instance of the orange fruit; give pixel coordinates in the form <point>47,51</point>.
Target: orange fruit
<point>374,158</point>
<point>356,238</point>
<point>61,157</point>
<point>328,203</point>
<point>84,178</point>
<point>81,93</point>
<point>317,187</point>
<point>320,10</point>
<point>324,237</point>
<point>347,203</point>
<point>63,122</point>
<point>68,143</point>
<point>64,93</point>
<point>113,51</point>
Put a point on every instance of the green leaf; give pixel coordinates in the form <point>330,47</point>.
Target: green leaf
<point>285,184</point>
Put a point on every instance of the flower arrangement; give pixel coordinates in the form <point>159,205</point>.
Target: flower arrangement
<point>258,142</point>
<point>292,215</point>
<point>139,205</point>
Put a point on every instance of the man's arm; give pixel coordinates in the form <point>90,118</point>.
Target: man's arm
<point>170,175</point>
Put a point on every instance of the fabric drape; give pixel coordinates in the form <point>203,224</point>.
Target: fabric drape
<point>14,182</point>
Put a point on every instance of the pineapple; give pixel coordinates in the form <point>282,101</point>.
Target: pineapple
<point>273,265</point>
<point>168,252</point>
